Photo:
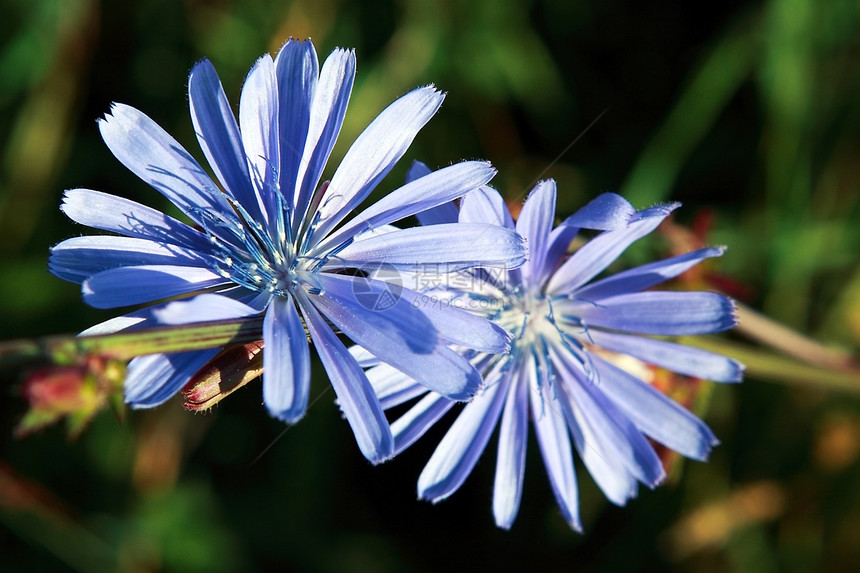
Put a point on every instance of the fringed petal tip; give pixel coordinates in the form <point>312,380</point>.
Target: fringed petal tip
<point>704,451</point>
<point>732,310</point>
<point>432,87</point>
<point>629,496</point>
<point>338,51</point>
<point>107,115</point>
<point>265,58</point>
<point>293,40</point>
<point>201,63</point>
<point>507,337</point>
<point>290,417</point>
<point>654,484</point>
<point>540,187</point>
<point>468,390</point>
<point>658,210</point>
<point>65,199</point>
<point>607,211</point>
<point>427,495</point>
<point>381,459</point>
<point>434,96</point>
<point>742,368</point>
<point>735,371</point>
<point>572,518</point>
<point>417,165</point>
<point>114,110</point>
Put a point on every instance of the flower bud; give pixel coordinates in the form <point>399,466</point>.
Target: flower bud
<point>76,392</point>
<point>227,372</point>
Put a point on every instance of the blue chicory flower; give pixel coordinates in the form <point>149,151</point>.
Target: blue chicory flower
<point>560,371</point>
<point>270,239</point>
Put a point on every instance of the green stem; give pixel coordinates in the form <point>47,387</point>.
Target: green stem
<point>124,345</point>
<point>769,366</point>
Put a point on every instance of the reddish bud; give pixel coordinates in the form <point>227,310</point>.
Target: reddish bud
<point>75,392</point>
<point>227,372</point>
<point>58,389</point>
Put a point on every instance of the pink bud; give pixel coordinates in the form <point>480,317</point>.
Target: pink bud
<point>227,372</point>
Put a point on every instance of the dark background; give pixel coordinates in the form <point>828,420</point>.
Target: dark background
<point>747,112</point>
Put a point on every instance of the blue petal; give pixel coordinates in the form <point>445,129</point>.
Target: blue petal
<point>601,251</point>
<point>458,452</point>
<point>118,215</point>
<point>639,455</point>
<point>617,438</point>
<point>453,324</point>
<point>286,361</point>
<point>458,326</point>
<point>606,468</point>
<point>444,213</point>
<point>554,442</point>
<point>417,170</point>
<point>606,212</point>
<point>392,386</point>
<point>134,285</point>
<point>297,71</point>
<point>364,358</point>
<point>375,152</point>
<point>218,134</point>
<point>439,187</point>
<point>676,357</point>
<point>535,224</point>
<point>153,155</point>
<point>560,240</point>
<point>654,413</point>
<point>343,297</point>
<point>206,307</point>
<point>399,335</point>
<point>646,276</point>
<point>457,245</point>
<point>151,380</point>
<point>330,98</point>
<point>202,308</point>
<point>510,467</point>
<point>135,319</point>
<point>79,258</point>
<point>354,392</point>
<point>485,205</point>
<point>420,418</point>
<point>258,119</point>
<point>665,313</point>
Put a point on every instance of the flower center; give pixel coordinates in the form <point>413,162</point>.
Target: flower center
<point>530,316</point>
<point>527,316</point>
<point>254,256</point>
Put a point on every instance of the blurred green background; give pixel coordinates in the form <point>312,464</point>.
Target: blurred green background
<point>747,112</point>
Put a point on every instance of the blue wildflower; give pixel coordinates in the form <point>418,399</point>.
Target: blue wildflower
<point>268,238</point>
<point>562,370</point>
